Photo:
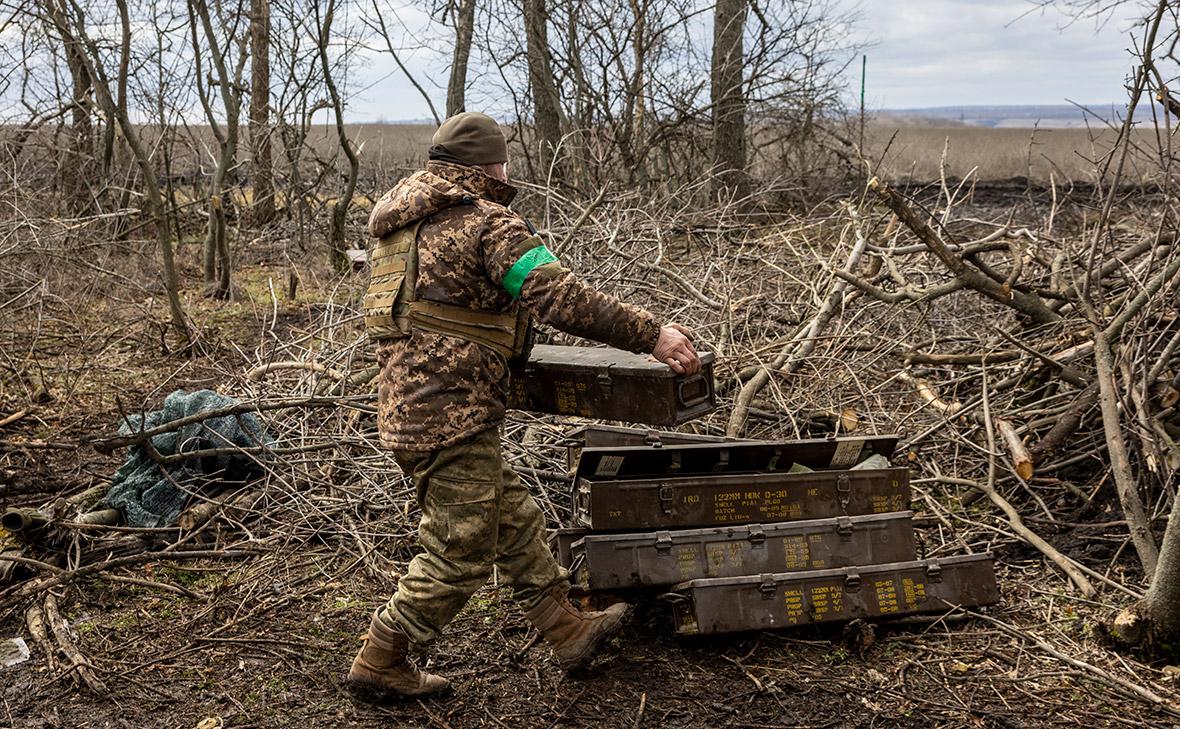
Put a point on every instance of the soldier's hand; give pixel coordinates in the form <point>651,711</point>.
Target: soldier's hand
<point>674,348</point>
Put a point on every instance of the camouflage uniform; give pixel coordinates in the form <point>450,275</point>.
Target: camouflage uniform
<point>441,398</point>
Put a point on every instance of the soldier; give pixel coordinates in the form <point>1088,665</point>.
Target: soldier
<point>454,282</point>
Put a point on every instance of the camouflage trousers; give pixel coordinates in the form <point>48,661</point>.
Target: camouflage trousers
<point>476,513</point>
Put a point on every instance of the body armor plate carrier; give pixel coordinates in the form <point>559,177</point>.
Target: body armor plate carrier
<point>392,308</point>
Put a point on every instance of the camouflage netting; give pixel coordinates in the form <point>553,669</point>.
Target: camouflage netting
<point>153,496</point>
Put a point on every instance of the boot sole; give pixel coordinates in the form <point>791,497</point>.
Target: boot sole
<point>372,693</point>
<point>583,660</point>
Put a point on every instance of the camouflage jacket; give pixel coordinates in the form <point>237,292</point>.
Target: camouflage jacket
<point>435,390</point>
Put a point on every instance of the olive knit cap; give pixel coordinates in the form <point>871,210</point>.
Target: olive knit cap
<point>470,138</point>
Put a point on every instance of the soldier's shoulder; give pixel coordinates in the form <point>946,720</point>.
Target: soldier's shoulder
<point>491,208</point>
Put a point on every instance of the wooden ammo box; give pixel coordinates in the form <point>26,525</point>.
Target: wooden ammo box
<point>596,382</point>
<point>694,501</point>
<point>767,601</point>
<point>612,561</point>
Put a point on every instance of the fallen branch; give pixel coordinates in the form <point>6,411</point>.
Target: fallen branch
<point>988,488</point>
<point>973,358</point>
<point>1138,522</point>
<point>10,419</point>
<point>1027,304</point>
<point>1135,690</point>
<point>930,396</point>
<point>106,445</point>
<point>78,662</point>
<point>258,372</point>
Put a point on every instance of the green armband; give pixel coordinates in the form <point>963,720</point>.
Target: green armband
<point>514,279</point>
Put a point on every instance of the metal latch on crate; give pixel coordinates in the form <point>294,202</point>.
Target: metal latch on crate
<point>756,534</point>
<point>768,587</point>
<point>604,384</point>
<point>934,571</point>
<point>664,541</point>
<point>667,498</point>
<point>851,579</point>
<point>722,463</point>
<point>844,491</point>
<point>844,527</point>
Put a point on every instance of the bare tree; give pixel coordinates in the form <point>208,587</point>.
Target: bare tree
<point>464,31</point>
<point>217,262</point>
<point>262,173</point>
<point>546,102</point>
<point>339,214</point>
<point>729,99</point>
<point>79,164</point>
<point>69,19</point>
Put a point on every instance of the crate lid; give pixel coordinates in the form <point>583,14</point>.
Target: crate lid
<point>868,569</point>
<point>731,457</point>
<point>740,532</point>
<point>616,360</point>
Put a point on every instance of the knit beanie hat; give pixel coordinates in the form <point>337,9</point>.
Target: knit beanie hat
<point>470,138</point>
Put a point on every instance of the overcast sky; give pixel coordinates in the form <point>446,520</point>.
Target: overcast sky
<point>921,53</point>
<point>958,52</point>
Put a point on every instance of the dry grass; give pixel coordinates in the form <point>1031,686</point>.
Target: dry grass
<point>904,152</point>
<point>1068,155</point>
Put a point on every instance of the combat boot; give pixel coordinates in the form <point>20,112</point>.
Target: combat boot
<point>574,635</point>
<point>383,670</point>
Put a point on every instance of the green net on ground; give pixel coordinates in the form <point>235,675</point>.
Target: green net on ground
<point>151,495</point>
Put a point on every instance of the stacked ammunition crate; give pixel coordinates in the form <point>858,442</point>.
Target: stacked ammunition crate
<point>748,535</point>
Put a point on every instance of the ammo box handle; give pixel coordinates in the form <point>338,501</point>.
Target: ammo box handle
<point>674,598</point>
<point>682,385</point>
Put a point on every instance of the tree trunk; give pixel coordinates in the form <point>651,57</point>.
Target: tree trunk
<point>729,99</point>
<point>263,206</point>
<point>457,86</point>
<point>73,32</point>
<point>79,162</point>
<point>217,261</point>
<point>546,103</point>
<point>336,230</point>
<point>1162,602</point>
<point>1156,618</point>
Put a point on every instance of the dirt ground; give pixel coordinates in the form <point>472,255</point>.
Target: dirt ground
<point>276,659</point>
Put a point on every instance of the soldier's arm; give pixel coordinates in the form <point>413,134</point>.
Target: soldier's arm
<point>519,261</point>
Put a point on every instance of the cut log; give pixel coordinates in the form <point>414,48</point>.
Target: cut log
<point>1021,461</point>
<point>199,514</point>
<point>102,516</point>
<point>930,396</point>
<point>23,521</point>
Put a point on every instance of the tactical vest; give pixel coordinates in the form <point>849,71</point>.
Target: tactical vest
<point>392,309</point>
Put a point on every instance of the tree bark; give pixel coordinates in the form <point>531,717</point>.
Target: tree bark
<point>217,262</point>
<point>1156,618</point>
<point>729,99</point>
<point>79,162</point>
<point>546,102</point>
<point>263,206</point>
<point>464,30</point>
<point>336,231</point>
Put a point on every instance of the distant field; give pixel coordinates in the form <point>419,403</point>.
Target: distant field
<point>386,146</point>
<point>914,153</point>
<point>911,149</point>
<point>910,152</point>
